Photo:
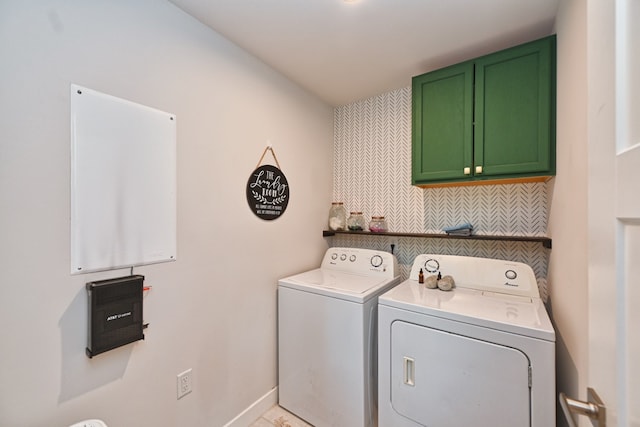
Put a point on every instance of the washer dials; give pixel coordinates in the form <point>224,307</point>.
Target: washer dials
<point>343,257</point>
<point>432,265</point>
<point>376,260</point>
<point>511,274</point>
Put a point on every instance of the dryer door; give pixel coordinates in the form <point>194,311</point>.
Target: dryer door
<point>443,379</point>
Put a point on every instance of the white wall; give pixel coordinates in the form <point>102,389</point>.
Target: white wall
<point>568,266</point>
<point>580,223</point>
<point>214,309</point>
<point>604,293</point>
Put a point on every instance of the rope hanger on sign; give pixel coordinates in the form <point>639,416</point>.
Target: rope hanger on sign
<point>273,153</point>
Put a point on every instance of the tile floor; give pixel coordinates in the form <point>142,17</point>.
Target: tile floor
<point>279,417</point>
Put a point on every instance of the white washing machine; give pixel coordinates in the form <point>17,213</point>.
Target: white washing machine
<point>482,354</point>
<point>327,337</point>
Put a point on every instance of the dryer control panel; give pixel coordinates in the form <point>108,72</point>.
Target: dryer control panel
<point>492,275</point>
<point>365,262</point>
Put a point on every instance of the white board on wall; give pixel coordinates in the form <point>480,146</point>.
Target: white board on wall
<point>123,183</point>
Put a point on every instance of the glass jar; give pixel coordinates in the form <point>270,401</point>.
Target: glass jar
<point>337,216</point>
<point>378,224</point>
<point>355,222</point>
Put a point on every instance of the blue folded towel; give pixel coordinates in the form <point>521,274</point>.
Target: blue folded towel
<point>460,227</point>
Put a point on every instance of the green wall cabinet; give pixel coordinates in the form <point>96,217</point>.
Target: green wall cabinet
<point>488,120</point>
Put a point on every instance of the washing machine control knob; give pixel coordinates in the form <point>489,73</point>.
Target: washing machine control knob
<point>376,260</point>
<point>510,274</point>
<point>343,257</point>
<point>334,256</point>
<point>432,265</point>
<point>352,258</point>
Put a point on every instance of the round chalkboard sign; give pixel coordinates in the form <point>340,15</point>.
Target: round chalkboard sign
<point>268,192</point>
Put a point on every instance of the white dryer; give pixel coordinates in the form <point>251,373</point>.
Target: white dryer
<point>327,337</point>
<point>482,354</point>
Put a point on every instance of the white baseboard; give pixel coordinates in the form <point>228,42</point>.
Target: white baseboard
<point>255,410</point>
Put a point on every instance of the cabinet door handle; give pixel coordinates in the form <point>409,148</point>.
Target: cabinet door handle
<point>467,171</point>
<point>478,169</point>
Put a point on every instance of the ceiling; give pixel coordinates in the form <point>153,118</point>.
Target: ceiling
<point>347,51</point>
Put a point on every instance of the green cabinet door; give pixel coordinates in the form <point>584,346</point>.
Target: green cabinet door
<point>492,118</point>
<point>514,94</point>
<point>442,117</point>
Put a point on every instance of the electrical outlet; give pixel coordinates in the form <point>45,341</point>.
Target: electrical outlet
<point>184,383</point>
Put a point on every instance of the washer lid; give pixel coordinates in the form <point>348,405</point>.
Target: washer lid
<point>338,284</point>
<point>515,314</point>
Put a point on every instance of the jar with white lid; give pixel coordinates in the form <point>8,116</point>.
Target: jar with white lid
<point>337,216</point>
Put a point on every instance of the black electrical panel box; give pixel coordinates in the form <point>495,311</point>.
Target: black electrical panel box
<point>115,313</point>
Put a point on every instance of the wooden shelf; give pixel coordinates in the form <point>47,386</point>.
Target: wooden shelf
<point>546,241</point>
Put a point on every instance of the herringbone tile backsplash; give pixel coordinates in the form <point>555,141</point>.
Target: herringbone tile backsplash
<point>372,174</point>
